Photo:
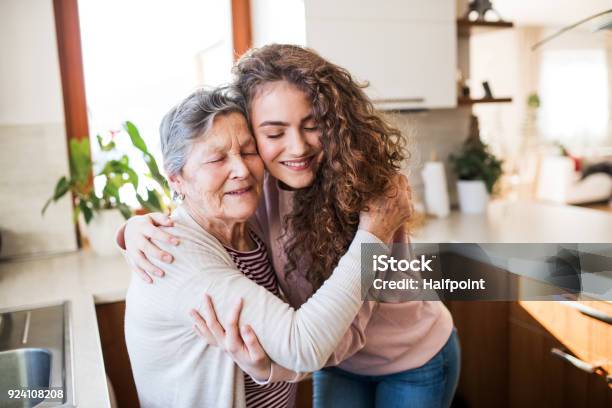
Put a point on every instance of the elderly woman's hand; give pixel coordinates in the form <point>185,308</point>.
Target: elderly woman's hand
<point>241,345</point>
<point>386,214</point>
<point>137,235</point>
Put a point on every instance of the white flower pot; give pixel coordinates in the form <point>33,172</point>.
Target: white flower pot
<point>473,196</point>
<point>101,231</point>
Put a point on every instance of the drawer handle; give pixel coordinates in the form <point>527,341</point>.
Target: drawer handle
<point>588,311</point>
<point>576,362</point>
<point>595,314</point>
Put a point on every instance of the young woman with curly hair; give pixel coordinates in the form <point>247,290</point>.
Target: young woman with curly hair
<point>327,153</point>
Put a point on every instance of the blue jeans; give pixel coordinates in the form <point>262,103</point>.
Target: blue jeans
<point>430,386</point>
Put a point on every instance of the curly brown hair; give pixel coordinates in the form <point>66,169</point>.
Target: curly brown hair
<point>361,153</point>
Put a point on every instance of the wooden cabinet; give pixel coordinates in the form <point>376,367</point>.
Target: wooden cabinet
<point>507,358</point>
<point>406,50</point>
<point>116,360</point>
<point>540,377</point>
<point>405,64</point>
<point>507,349</point>
<point>483,333</point>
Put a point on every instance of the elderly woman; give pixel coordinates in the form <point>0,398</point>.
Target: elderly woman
<point>213,166</point>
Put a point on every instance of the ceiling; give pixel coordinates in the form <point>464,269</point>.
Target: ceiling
<point>548,12</point>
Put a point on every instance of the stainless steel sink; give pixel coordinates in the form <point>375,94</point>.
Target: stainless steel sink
<point>36,357</point>
<point>25,368</point>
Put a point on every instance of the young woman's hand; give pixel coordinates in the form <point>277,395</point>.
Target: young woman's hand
<point>389,212</point>
<point>242,344</point>
<point>137,235</point>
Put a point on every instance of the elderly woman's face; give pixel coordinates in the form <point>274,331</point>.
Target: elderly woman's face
<point>223,174</point>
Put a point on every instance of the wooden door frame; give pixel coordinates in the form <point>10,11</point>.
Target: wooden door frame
<point>68,35</point>
<point>71,68</point>
<point>242,34</point>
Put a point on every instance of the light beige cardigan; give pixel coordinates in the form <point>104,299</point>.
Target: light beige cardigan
<point>173,367</point>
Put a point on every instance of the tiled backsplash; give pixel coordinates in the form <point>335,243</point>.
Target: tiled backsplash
<point>440,132</point>
<point>33,153</point>
<point>32,159</point>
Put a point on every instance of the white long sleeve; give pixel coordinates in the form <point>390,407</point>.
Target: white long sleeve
<point>300,340</point>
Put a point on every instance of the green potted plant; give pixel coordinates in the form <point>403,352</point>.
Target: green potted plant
<point>98,199</point>
<point>477,171</point>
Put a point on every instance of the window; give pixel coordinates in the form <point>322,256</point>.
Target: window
<point>574,94</point>
<point>141,57</point>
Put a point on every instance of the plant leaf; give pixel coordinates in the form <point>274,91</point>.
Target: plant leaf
<point>105,147</point>
<point>61,188</point>
<point>94,200</point>
<point>152,202</point>
<point>143,203</point>
<point>133,177</point>
<point>137,140</point>
<point>49,201</point>
<point>153,199</point>
<point>155,173</point>
<point>80,163</point>
<point>87,212</point>
<point>125,210</point>
<point>149,159</point>
<point>111,190</point>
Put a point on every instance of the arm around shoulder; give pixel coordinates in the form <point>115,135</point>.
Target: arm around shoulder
<point>300,340</point>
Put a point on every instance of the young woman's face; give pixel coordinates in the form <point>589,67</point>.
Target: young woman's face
<point>288,138</point>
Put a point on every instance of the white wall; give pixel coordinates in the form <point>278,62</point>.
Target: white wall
<point>33,152</point>
<point>278,21</point>
<point>29,73</point>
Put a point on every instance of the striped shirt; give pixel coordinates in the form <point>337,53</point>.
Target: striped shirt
<point>256,266</point>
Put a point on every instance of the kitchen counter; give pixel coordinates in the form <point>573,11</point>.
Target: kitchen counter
<point>520,221</point>
<point>83,279</point>
<point>530,222</point>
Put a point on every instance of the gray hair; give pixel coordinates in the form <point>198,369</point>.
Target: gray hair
<point>191,119</point>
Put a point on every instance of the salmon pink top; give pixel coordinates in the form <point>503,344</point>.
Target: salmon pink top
<point>384,338</point>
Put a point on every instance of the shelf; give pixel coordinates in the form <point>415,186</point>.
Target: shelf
<point>470,101</point>
<point>465,28</point>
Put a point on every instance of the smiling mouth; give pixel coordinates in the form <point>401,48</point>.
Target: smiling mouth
<point>240,192</point>
<point>298,164</point>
